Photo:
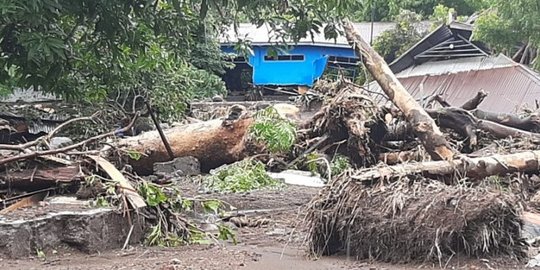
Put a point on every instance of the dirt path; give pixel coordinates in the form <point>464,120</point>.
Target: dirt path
<point>277,245</point>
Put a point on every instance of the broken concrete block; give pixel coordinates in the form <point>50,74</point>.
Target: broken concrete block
<point>180,166</point>
<point>88,230</point>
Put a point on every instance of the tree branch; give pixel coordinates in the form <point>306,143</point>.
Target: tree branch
<point>67,148</point>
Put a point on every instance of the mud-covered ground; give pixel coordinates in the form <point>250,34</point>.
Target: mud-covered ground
<point>277,245</point>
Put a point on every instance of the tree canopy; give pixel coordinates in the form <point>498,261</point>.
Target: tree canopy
<point>168,49</point>
<point>103,49</point>
<point>512,27</point>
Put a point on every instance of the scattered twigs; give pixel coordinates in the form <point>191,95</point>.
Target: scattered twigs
<point>29,200</point>
<point>34,154</point>
<point>21,147</point>
<point>61,126</point>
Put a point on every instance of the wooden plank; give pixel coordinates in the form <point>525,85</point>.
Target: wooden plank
<point>29,201</point>
<point>40,177</point>
<point>131,194</point>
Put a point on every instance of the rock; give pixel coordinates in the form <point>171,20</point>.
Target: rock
<point>531,227</point>
<point>87,230</point>
<point>181,166</point>
<point>59,142</point>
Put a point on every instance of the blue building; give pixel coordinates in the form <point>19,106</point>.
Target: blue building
<point>301,65</point>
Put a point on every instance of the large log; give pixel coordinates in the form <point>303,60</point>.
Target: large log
<point>214,143</point>
<point>423,125</point>
<point>467,167</point>
<point>465,123</point>
<point>531,123</point>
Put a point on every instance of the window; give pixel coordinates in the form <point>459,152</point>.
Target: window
<point>342,60</point>
<point>292,57</point>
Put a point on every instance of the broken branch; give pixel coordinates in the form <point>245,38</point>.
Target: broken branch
<point>475,101</point>
<point>477,168</point>
<point>67,148</point>
<point>423,125</point>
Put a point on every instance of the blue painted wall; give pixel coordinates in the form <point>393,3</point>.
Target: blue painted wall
<point>292,72</point>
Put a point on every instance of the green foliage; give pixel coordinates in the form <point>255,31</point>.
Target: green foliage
<point>242,176</point>
<point>339,164</point>
<point>440,15</point>
<point>135,155</point>
<point>392,43</point>
<point>100,49</point>
<point>317,164</point>
<point>386,10</point>
<point>40,254</point>
<point>507,23</point>
<point>276,132</point>
<point>152,194</point>
<point>169,230</point>
<point>311,162</point>
<point>101,201</point>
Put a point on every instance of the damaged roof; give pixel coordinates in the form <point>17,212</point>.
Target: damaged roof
<point>446,42</point>
<point>510,85</point>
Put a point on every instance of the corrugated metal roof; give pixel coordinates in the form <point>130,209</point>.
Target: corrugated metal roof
<point>510,87</point>
<point>457,65</point>
<point>263,35</point>
<point>28,95</point>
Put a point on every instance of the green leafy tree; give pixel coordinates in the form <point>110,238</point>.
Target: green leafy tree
<point>386,10</point>
<point>163,49</point>
<point>506,24</point>
<point>392,43</point>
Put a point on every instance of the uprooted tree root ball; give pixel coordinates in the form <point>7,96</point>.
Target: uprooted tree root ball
<point>413,220</point>
<point>351,120</point>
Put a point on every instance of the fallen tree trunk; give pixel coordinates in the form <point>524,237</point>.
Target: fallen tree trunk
<point>213,143</point>
<point>476,168</point>
<point>531,123</point>
<point>457,119</point>
<point>424,127</point>
<point>466,124</point>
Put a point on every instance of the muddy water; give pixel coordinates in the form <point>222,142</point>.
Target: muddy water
<point>278,258</point>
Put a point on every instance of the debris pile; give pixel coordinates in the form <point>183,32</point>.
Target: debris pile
<point>407,180</point>
<point>432,181</point>
<point>414,220</point>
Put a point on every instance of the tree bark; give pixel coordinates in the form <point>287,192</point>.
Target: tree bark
<point>475,101</point>
<point>213,143</point>
<point>37,178</point>
<point>466,124</point>
<point>458,120</point>
<point>393,158</point>
<point>423,125</point>
<point>477,168</point>
<point>531,123</point>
